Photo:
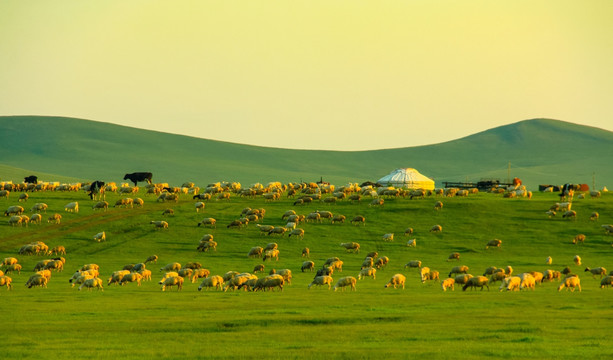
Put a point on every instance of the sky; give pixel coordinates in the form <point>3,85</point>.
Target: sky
<point>312,74</point>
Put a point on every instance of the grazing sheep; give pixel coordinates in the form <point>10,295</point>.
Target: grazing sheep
<point>37,280</point>
<point>13,267</point>
<point>338,219</point>
<point>6,281</point>
<point>448,283</point>
<point>175,266</point>
<point>101,205</point>
<point>271,254</point>
<point>91,283</point>
<point>359,220</point>
<point>5,194</point>
<point>607,281</point>
<point>493,243</point>
<point>570,282</point>
<point>186,273</point>
<point>580,238</point>
<point>285,273</point>
<point>258,268</point>
<point>116,276</point>
<point>597,271</point>
<point>307,265</point>
<point>57,265</point>
<point>408,231</point>
<point>527,281</point>
<point>99,237</point>
<point>277,231</point>
<point>15,220</point>
<point>594,216</point>
<point>477,281</point>
<point>351,246</point>
<point>271,246</point>
<point>200,273</point>
<point>388,237</point>
<point>577,260</point>
<point>23,197</point>
<point>397,279</point>
<point>413,264</point>
<point>549,260</point>
<point>571,214</point>
<point>331,260</point>
<point>14,210</point>
<point>169,212</point>
<point>337,265</point>
<point>368,262</point>
<point>497,276</point>
<point>255,252</point>
<point>159,224</point>
<point>173,281</point>
<point>608,229</point>
<point>381,262</point>
<point>208,222</point>
<point>322,280</point>
<point>297,232</point>
<point>438,205</point>
<point>214,281</point>
<point>204,246</point>
<point>72,207</point>
<point>432,275</point>
<point>306,252</point>
<point>344,282</point>
<point>511,283</point>
<point>36,219</point>
<point>436,228</point>
<point>38,207</point>
<point>131,277</point>
<point>9,261</point>
<point>372,272</point>
<point>199,206</point>
<point>550,213</point>
<point>152,258</point>
<point>265,228</point>
<point>269,282</point>
<point>55,218</point>
<point>462,269</point>
<point>412,243</point>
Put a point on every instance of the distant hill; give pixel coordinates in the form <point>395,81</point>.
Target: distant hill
<point>539,151</point>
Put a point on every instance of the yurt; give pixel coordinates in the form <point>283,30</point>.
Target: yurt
<point>407,178</point>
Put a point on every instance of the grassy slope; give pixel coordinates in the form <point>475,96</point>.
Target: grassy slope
<point>540,151</point>
<point>421,320</point>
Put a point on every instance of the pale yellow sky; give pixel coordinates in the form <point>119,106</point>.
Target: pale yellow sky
<point>335,75</point>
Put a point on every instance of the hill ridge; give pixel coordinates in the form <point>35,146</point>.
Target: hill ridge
<point>543,151</point>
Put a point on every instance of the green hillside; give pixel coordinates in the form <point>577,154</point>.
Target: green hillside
<point>539,151</point>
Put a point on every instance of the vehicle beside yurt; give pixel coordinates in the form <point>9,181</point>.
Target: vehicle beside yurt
<point>407,178</point>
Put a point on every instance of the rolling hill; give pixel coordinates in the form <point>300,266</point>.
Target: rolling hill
<point>63,149</point>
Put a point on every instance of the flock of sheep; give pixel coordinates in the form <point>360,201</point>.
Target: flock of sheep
<point>174,274</point>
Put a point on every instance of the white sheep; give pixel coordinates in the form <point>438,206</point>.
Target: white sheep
<point>413,264</point>
<point>577,260</point>
<point>159,224</point>
<point>388,237</point>
<point>101,205</point>
<point>322,280</point>
<point>38,207</point>
<point>570,282</point>
<point>412,243</point>
<point>511,283</point>
<point>6,281</point>
<point>14,210</point>
<point>173,281</point>
<point>297,232</point>
<point>36,219</point>
<point>493,243</point>
<point>527,281</point>
<point>99,237</point>
<point>264,229</point>
<point>199,206</point>
<point>477,281</point>
<point>15,220</point>
<point>462,269</point>
<point>372,272</point>
<point>214,281</point>
<point>208,222</point>
<point>607,281</point>
<point>436,228</point>
<point>351,246</point>
<point>92,283</point>
<point>597,271</point>
<point>448,283</point>
<point>396,280</point>
<point>594,216</point>
<point>171,267</point>
<point>571,214</point>
<point>72,207</point>
<point>344,282</point>
<point>549,260</point>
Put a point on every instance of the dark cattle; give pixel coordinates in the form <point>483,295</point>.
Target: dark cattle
<point>32,179</point>
<point>139,176</point>
<point>96,188</point>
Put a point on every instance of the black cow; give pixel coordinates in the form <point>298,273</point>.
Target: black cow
<point>96,188</point>
<point>32,179</point>
<point>139,176</point>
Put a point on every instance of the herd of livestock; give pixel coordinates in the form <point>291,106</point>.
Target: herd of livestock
<point>175,274</point>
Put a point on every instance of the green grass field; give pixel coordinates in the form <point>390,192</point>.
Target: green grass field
<point>373,322</point>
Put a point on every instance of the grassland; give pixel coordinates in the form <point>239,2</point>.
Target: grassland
<point>420,321</point>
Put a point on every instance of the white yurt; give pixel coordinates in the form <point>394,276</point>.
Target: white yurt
<point>407,178</point>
